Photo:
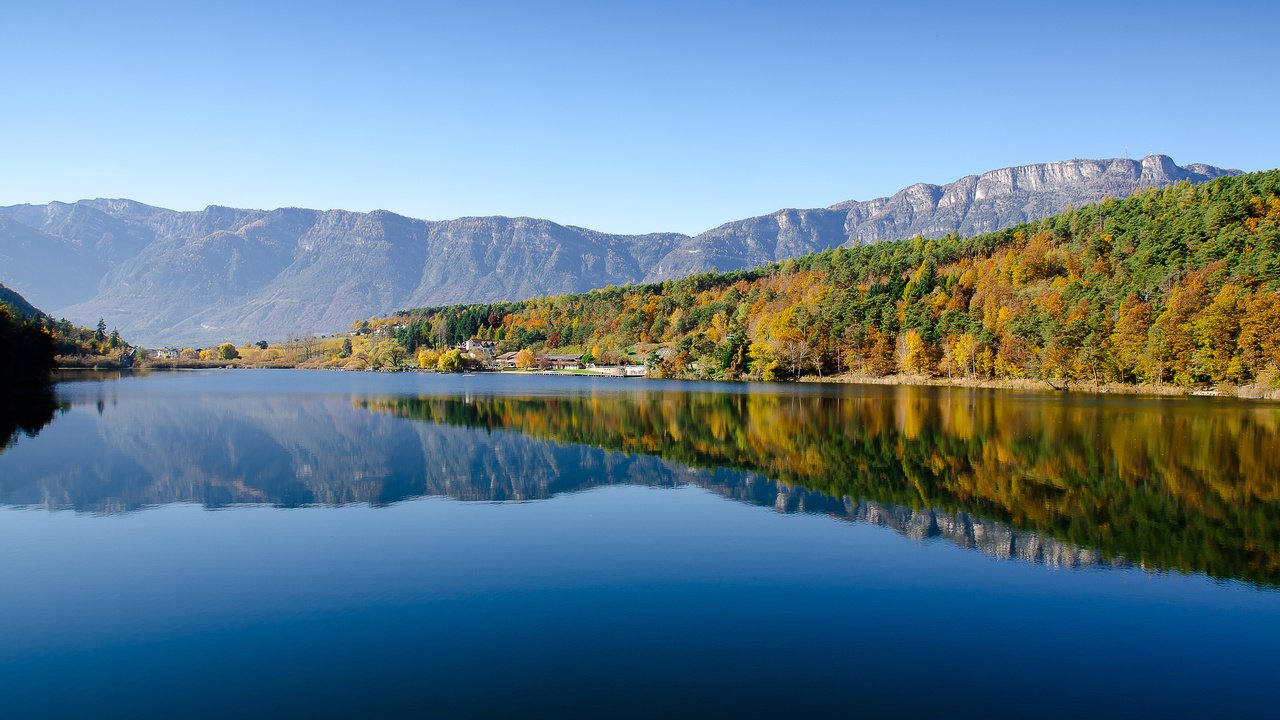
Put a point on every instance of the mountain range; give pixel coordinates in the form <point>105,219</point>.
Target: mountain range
<point>173,277</point>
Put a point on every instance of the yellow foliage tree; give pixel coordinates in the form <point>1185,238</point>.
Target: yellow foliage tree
<point>427,358</point>
<point>450,361</point>
<point>963,351</point>
<point>915,357</point>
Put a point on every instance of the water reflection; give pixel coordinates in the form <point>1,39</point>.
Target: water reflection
<point>1077,482</point>
<point>24,414</point>
<point>1168,484</point>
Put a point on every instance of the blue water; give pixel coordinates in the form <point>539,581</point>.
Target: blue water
<point>141,578</point>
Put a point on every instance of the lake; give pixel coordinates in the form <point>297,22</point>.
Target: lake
<point>309,544</point>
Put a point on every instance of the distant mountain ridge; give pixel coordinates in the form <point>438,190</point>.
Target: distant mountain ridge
<point>972,205</point>
<point>170,277</point>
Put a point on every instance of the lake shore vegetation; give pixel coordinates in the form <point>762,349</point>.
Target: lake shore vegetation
<point>1175,287</point>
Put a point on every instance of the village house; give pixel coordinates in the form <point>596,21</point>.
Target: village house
<point>506,359</point>
<point>561,362</point>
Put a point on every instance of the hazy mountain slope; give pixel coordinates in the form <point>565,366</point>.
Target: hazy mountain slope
<point>17,304</point>
<point>970,206</point>
<point>193,278</point>
<point>524,257</point>
<point>350,264</point>
<point>49,271</point>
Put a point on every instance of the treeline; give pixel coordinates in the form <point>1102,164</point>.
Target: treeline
<point>1179,285</point>
<point>71,340</point>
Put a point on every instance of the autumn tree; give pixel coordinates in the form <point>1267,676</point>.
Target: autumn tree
<point>963,352</point>
<point>427,358</point>
<point>450,361</point>
<point>1129,340</point>
<point>914,357</point>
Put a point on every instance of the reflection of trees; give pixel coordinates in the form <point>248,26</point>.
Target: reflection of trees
<point>1173,485</point>
<point>1181,485</point>
<point>220,451</point>
<point>24,412</point>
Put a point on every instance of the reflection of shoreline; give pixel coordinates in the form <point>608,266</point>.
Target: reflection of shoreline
<point>322,454</point>
<point>962,530</point>
<point>1071,485</point>
<point>1184,487</point>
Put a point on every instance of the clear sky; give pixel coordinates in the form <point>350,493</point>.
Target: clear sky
<point>625,117</point>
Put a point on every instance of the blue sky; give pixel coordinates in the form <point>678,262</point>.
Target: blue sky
<point>625,117</point>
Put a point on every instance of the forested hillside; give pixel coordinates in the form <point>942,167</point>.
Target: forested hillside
<point>26,347</point>
<point>1176,285</point>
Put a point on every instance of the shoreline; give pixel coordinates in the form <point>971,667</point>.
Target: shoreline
<point>1242,392</point>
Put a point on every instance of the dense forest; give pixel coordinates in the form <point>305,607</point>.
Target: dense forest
<point>31,343</point>
<point>1179,285</point>
<point>26,351</point>
<point>1170,487</point>
<point>27,346</point>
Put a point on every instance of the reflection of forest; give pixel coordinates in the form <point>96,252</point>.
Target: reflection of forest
<point>1170,484</point>
<point>1189,486</point>
<point>26,413</point>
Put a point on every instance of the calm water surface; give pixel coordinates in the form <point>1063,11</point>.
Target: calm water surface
<point>308,544</point>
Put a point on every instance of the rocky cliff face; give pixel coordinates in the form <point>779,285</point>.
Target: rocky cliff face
<point>969,206</point>
<point>192,278</point>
